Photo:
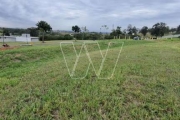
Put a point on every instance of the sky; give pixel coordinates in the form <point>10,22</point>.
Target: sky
<point>63,14</point>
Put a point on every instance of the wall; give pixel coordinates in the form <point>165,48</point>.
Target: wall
<point>7,39</point>
<point>18,39</point>
<point>34,39</point>
<point>23,39</point>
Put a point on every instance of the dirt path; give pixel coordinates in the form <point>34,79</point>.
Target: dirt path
<point>8,48</point>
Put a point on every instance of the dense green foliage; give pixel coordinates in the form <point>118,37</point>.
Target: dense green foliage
<point>88,36</point>
<point>132,30</point>
<point>6,32</point>
<point>33,32</point>
<point>159,29</point>
<point>16,31</point>
<point>76,29</point>
<point>144,30</point>
<point>178,29</point>
<point>57,37</point>
<point>44,27</point>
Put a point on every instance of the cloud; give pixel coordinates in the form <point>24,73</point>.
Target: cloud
<point>62,14</point>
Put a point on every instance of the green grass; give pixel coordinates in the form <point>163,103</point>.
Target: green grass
<point>35,84</point>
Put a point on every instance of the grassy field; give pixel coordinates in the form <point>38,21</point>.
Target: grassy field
<point>35,84</point>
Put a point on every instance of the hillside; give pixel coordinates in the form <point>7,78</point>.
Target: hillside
<point>35,84</point>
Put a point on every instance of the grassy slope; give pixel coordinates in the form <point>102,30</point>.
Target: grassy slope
<point>35,84</point>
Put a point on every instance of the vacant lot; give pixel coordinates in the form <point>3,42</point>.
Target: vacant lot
<point>35,83</point>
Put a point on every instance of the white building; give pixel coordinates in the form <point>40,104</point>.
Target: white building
<point>23,38</point>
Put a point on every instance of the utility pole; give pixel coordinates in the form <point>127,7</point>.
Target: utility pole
<point>3,36</point>
<point>84,30</point>
<point>26,38</point>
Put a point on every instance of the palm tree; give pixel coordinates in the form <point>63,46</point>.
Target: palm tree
<point>105,27</point>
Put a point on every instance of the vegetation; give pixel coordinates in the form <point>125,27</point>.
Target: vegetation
<point>116,33</point>
<point>76,29</point>
<point>84,31</point>
<point>178,29</point>
<point>33,32</point>
<point>57,37</point>
<point>132,30</point>
<point>159,29</point>
<point>44,27</point>
<point>105,28</point>
<point>35,84</point>
<point>144,30</point>
<point>6,32</point>
<point>16,31</point>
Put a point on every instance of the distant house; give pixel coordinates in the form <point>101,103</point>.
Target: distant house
<point>22,38</point>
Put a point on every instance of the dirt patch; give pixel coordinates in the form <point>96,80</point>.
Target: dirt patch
<point>8,48</point>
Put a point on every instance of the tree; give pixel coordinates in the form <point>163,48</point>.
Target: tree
<point>116,32</point>
<point>44,27</point>
<point>113,33</point>
<point>144,30</point>
<point>76,29</point>
<point>84,30</point>
<point>178,29</point>
<point>124,31</point>
<point>33,31</point>
<point>135,30</point>
<point>173,30</point>
<point>6,32</point>
<point>167,29</point>
<point>106,28</point>
<point>132,30</point>
<point>16,31</point>
<point>159,29</point>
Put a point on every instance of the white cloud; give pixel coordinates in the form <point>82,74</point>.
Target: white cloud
<point>91,13</point>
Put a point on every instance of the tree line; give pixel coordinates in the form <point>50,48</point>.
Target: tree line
<point>44,31</point>
<point>157,30</point>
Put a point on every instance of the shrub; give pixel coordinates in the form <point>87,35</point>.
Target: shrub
<point>108,37</point>
<point>56,37</point>
<point>68,37</point>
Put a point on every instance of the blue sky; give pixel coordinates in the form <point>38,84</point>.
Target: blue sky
<point>63,14</point>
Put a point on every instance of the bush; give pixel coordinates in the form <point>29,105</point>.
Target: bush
<point>108,37</point>
<point>78,36</point>
<point>56,37</point>
<point>68,37</point>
